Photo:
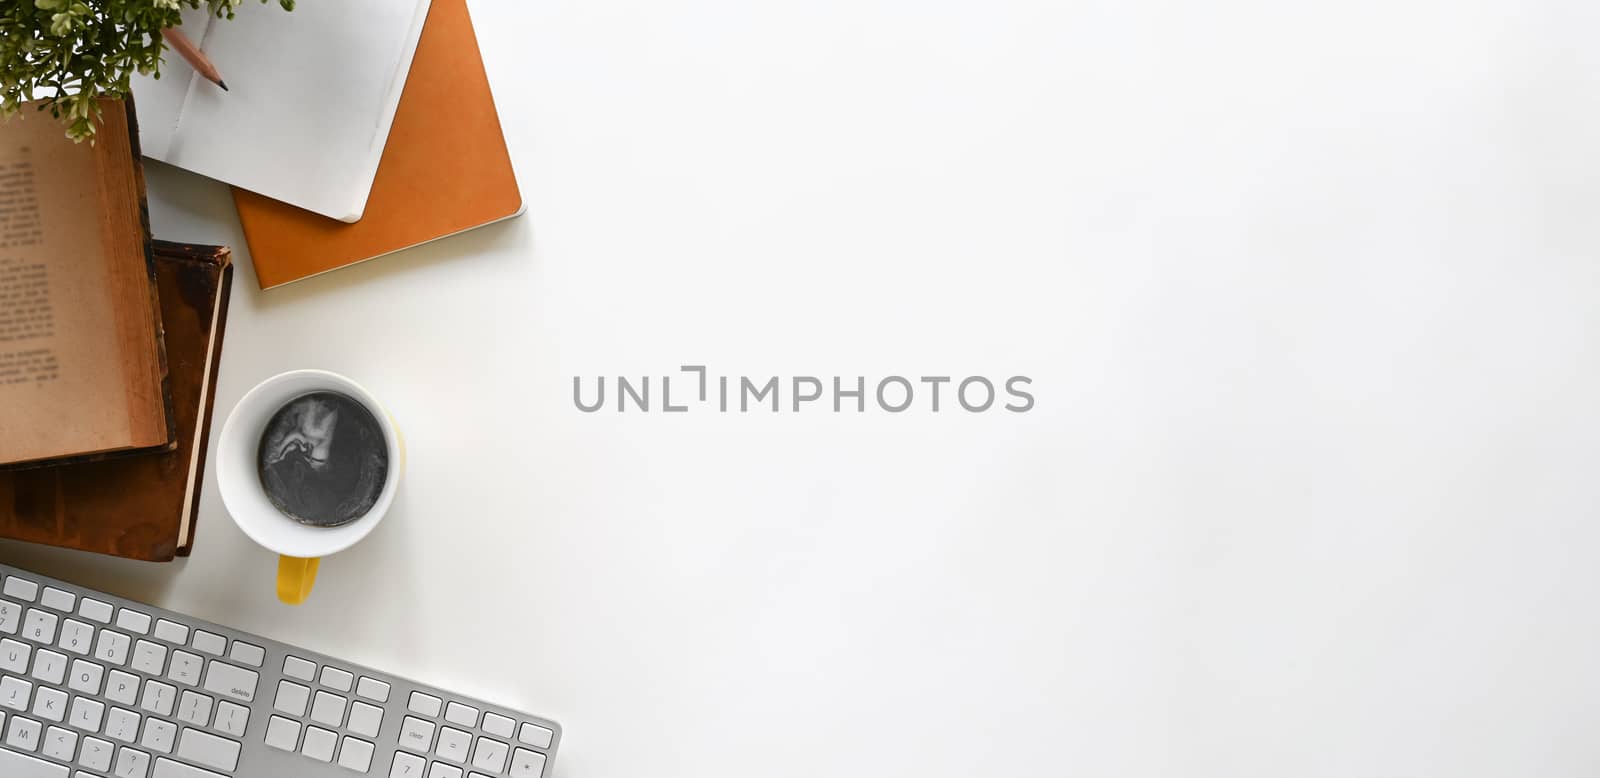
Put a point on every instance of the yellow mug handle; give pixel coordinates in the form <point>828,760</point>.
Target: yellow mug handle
<point>296,576</point>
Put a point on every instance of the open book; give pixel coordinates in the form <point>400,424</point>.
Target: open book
<point>311,94</point>
<point>81,360</point>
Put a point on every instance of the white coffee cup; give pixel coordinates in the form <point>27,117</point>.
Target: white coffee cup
<point>300,546</point>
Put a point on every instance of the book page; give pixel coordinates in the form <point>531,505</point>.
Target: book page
<point>311,95</point>
<point>68,314</point>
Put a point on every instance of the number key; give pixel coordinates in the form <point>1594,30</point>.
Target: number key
<point>10,617</point>
<point>112,647</point>
<point>406,766</point>
<point>39,627</point>
<point>76,637</point>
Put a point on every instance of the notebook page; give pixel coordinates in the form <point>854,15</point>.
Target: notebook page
<point>311,94</point>
<point>160,101</point>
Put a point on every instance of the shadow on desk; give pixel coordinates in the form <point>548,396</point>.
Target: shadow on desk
<point>486,248</point>
<point>142,581</point>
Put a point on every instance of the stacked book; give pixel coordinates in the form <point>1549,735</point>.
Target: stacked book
<point>109,347</point>
<point>349,130</point>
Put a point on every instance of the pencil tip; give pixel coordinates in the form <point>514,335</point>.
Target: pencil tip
<point>222,84</point>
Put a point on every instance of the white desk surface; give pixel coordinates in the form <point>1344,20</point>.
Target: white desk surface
<point>1308,293</point>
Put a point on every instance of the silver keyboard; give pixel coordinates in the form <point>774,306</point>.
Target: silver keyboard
<point>93,685</point>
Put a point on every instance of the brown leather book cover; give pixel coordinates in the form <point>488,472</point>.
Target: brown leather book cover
<point>444,170</point>
<point>82,368</point>
<point>140,507</point>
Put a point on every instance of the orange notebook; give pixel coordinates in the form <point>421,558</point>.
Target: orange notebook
<point>444,170</point>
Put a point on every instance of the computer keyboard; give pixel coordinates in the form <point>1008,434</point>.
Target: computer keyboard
<point>95,685</point>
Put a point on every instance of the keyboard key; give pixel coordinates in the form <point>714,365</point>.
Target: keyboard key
<point>194,708</point>
<point>248,653</point>
<point>489,755</point>
<point>230,681</point>
<point>295,667</point>
<point>158,698</point>
<point>373,689</point>
<point>209,750</point>
<point>96,754</point>
<point>50,704</point>
<point>442,770</point>
<point>39,626</point>
<point>166,768</point>
<point>158,735</point>
<point>15,693</point>
<point>465,715</point>
<point>133,621</point>
<point>498,725</point>
<point>319,744</point>
<point>122,724</point>
<point>10,617</point>
<point>335,678</point>
<point>14,656</point>
<point>122,687</point>
<point>76,636</point>
<point>328,709</point>
<point>283,734</point>
<point>95,610</point>
<point>58,599</point>
<point>231,718</point>
<point>112,647</point>
<point>85,677</point>
<point>416,734</point>
<point>210,643</point>
<point>355,755</point>
<point>526,764</point>
<point>406,766</point>
<point>535,735</point>
<point>60,744</point>
<point>149,658</point>
<point>425,704</point>
<point>49,666</point>
<point>453,745</point>
<point>365,719</point>
<point>23,733</point>
<point>291,698</point>
<point>186,668</point>
<point>14,765</point>
<point>86,715</point>
<point>21,589</point>
<point>131,763</point>
<point>172,632</point>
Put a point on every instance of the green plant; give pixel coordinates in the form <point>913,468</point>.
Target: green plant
<point>68,52</point>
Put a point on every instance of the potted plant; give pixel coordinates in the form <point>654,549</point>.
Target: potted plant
<point>67,52</point>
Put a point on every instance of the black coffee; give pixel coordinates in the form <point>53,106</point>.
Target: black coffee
<point>323,459</point>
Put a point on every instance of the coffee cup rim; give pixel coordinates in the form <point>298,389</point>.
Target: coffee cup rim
<point>239,484</point>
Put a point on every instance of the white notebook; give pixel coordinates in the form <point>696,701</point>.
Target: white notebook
<point>311,95</point>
